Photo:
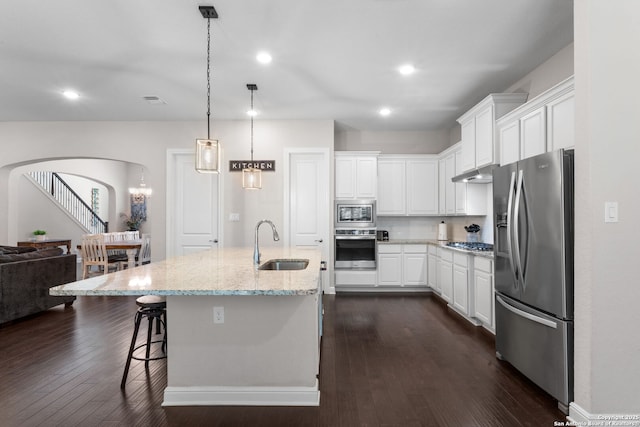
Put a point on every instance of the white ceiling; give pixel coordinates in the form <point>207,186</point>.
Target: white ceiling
<point>333,59</point>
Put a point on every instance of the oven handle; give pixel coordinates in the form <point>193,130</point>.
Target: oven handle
<point>355,237</point>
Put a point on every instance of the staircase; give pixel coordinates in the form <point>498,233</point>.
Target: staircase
<point>52,184</point>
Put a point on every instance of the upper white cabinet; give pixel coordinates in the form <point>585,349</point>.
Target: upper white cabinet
<point>459,198</point>
<point>356,175</point>
<point>545,123</point>
<point>407,185</point>
<point>561,122</point>
<point>478,128</point>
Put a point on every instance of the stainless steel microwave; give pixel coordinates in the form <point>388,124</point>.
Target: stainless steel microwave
<point>355,213</point>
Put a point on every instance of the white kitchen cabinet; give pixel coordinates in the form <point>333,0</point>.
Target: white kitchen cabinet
<point>461,282</point>
<point>422,186</point>
<point>389,265</point>
<point>445,274</point>
<point>392,192</point>
<point>458,198</point>
<point>545,123</point>
<point>355,278</point>
<point>477,127</point>
<point>442,191</point>
<point>414,265</point>
<point>533,135</point>
<point>449,188</point>
<point>468,140</point>
<point>407,186</point>
<point>432,270</point>
<point>356,175</point>
<point>402,265</point>
<point>509,141</point>
<point>484,136</point>
<point>561,122</point>
<point>484,292</point>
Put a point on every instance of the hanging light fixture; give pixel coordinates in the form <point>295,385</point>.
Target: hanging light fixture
<point>142,189</point>
<point>208,150</point>
<point>251,177</point>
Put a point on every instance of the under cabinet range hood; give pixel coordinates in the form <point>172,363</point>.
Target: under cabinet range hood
<point>481,175</point>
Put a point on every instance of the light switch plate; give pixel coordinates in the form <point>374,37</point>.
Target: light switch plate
<point>610,211</point>
<point>234,217</point>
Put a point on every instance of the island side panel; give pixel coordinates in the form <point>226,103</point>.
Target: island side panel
<point>265,343</point>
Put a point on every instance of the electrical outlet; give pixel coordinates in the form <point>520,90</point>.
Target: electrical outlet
<point>218,314</point>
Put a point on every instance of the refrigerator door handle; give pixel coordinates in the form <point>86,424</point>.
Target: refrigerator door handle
<point>526,315</point>
<point>516,232</point>
<point>510,227</point>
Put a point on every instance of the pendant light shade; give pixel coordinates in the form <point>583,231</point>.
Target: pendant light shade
<point>208,150</point>
<point>252,177</point>
<point>207,155</point>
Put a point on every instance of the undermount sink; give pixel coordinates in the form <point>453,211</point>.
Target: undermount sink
<point>285,264</point>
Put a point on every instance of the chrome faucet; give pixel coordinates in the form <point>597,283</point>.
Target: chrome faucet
<point>256,249</point>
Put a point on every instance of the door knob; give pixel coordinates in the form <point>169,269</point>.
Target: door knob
<point>213,241</point>
<point>318,241</point>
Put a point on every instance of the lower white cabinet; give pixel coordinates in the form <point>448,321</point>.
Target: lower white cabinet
<point>389,265</point>
<point>402,265</point>
<point>445,274</point>
<point>484,292</point>
<point>355,278</point>
<point>433,264</point>
<point>461,282</point>
<point>414,265</point>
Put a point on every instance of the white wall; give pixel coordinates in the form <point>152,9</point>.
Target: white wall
<point>145,144</point>
<point>607,314</point>
<point>418,142</point>
<point>554,70</point>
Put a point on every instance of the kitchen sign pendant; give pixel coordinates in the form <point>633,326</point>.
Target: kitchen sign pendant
<point>208,150</point>
<point>251,176</point>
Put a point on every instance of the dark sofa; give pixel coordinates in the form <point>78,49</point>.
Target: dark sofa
<point>27,274</point>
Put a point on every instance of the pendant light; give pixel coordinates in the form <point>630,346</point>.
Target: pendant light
<point>208,150</point>
<point>142,189</point>
<point>251,177</point>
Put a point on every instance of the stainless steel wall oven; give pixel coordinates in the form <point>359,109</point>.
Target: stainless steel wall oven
<point>355,248</point>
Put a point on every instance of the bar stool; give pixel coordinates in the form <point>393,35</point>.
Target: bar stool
<point>152,307</point>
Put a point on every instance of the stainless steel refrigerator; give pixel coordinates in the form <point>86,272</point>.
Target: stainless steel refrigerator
<point>533,247</point>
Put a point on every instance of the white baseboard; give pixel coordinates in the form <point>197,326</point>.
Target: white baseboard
<point>242,396</point>
<point>578,416</point>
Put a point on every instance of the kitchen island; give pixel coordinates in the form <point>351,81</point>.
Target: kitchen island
<point>262,348</point>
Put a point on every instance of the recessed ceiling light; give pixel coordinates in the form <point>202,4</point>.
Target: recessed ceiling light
<point>406,69</point>
<point>384,112</point>
<point>252,113</point>
<point>263,57</point>
<point>71,94</point>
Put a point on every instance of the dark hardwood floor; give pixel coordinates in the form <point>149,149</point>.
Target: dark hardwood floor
<point>387,360</point>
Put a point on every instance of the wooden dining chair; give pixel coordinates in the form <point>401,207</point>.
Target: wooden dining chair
<point>144,255</point>
<point>94,253</point>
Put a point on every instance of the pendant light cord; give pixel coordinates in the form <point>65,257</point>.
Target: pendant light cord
<point>208,78</point>
<point>252,113</point>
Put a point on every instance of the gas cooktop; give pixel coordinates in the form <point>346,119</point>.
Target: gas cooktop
<point>472,246</point>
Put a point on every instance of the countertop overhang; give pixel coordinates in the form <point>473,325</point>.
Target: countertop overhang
<point>224,271</point>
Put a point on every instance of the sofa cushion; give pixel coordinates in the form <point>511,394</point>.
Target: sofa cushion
<point>43,253</point>
<point>5,250</point>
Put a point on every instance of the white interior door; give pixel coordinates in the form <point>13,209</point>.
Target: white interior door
<point>309,203</point>
<point>193,206</point>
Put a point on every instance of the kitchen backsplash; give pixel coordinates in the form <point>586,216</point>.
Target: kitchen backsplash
<point>427,227</point>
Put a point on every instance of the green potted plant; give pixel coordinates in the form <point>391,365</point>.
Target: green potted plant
<point>40,235</point>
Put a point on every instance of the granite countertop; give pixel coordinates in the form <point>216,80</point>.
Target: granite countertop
<point>442,243</point>
<point>226,271</point>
